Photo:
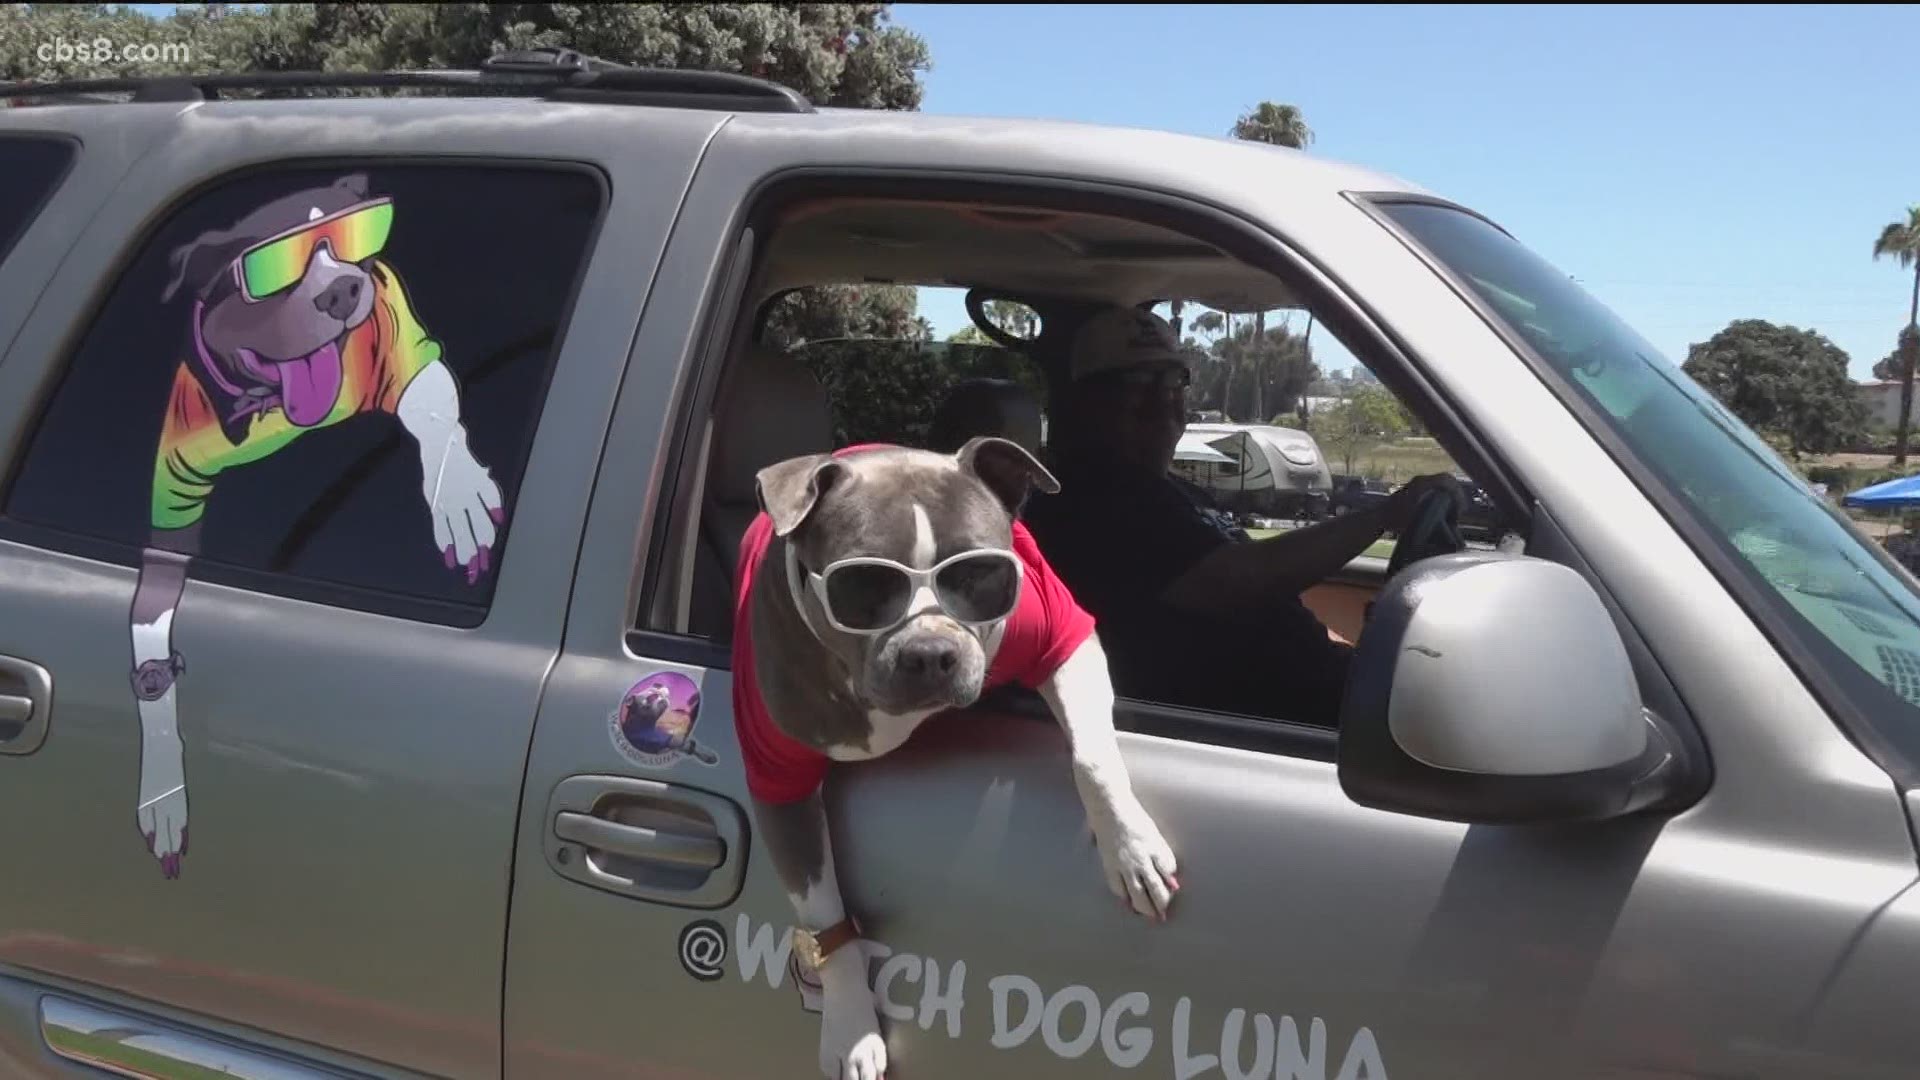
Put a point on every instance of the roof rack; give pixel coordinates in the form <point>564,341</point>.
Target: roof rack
<point>553,73</point>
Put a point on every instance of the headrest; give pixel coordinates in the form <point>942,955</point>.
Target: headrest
<point>771,409</point>
<point>986,407</point>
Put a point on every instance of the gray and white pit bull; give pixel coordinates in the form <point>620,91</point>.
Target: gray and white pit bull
<point>829,695</point>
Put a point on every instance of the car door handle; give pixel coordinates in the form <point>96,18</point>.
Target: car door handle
<point>15,710</point>
<point>648,840</point>
<point>26,705</point>
<point>639,842</point>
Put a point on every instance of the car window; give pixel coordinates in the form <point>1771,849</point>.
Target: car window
<point>31,167</point>
<point>1856,609</point>
<point>319,380</point>
<point>1275,397</point>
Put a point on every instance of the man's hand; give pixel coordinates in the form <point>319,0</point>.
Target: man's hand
<point>1403,504</point>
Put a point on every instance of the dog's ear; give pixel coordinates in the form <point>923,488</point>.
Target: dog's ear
<point>195,263</point>
<point>1007,469</point>
<point>354,184</point>
<point>789,490</point>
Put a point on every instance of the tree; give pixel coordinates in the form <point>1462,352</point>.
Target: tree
<point>1900,242</point>
<point>1365,419</point>
<point>836,54</point>
<point>1887,369</point>
<point>823,312</point>
<point>1249,381</point>
<point>1280,125</point>
<point>1782,381</point>
<point>888,390</point>
<point>1011,317</point>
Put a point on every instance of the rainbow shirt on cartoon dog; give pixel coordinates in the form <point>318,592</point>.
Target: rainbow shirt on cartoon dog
<point>297,325</point>
<point>654,724</point>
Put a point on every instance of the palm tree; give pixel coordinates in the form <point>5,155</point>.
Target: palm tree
<point>1900,241</point>
<point>1257,356</point>
<point>1280,125</point>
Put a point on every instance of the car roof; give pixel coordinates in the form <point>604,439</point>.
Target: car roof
<point>1284,166</point>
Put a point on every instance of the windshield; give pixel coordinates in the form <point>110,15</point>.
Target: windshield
<point>1853,607</point>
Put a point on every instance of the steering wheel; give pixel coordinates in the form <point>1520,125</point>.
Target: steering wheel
<point>1435,530</point>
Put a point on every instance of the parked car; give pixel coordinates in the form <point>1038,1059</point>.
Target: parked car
<point>367,460</point>
<point>1352,493</point>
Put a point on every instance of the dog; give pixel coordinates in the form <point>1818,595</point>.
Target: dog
<point>296,325</point>
<point>948,596</point>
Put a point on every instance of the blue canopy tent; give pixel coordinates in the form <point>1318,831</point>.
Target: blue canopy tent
<point>1901,494</point>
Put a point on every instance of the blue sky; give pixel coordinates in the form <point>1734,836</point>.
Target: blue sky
<point>1690,165</point>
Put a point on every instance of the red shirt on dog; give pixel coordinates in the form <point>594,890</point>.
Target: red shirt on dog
<point>1043,631</point>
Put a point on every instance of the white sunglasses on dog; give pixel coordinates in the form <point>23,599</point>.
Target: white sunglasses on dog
<point>867,595</point>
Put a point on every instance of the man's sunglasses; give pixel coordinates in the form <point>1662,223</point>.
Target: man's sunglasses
<point>868,595</point>
<point>278,263</point>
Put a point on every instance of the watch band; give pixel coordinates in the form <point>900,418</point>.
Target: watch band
<point>813,949</point>
<point>837,935</point>
<point>153,679</point>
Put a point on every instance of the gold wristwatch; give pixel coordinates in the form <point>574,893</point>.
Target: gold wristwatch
<point>813,949</point>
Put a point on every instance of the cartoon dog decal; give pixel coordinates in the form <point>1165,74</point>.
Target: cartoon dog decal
<point>297,325</point>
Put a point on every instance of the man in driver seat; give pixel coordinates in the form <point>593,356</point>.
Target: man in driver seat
<point>1190,609</point>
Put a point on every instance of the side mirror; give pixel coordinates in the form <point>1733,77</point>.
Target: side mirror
<point>1494,688</point>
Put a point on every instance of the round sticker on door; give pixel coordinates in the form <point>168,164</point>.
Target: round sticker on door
<point>654,724</point>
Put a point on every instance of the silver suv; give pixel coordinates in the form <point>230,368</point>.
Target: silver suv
<point>371,473</point>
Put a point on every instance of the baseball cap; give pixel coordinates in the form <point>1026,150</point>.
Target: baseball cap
<point>1124,337</point>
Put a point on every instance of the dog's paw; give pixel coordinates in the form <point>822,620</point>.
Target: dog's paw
<point>851,1046</point>
<point>162,813</point>
<point>1138,862</point>
<point>467,510</point>
<point>164,825</point>
<point>867,1060</point>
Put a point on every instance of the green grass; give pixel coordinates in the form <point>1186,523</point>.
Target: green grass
<point>1398,462</point>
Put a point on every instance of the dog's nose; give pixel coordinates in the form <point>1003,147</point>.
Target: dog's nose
<point>928,657</point>
<point>338,300</point>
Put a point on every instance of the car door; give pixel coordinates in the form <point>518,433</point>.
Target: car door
<point>386,527</point>
<point>1313,937</point>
